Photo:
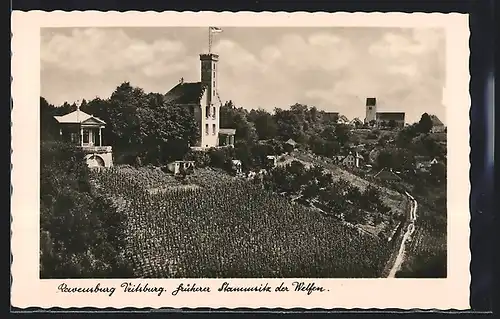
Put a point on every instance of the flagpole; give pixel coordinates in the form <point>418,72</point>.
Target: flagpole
<point>209,40</point>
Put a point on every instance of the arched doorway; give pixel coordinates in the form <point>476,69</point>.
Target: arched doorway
<point>95,161</point>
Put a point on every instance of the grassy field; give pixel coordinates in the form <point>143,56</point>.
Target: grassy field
<point>226,227</point>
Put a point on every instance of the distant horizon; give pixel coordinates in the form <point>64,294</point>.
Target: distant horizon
<point>332,69</point>
<point>269,111</point>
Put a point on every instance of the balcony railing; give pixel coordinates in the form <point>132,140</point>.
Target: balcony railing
<point>97,149</point>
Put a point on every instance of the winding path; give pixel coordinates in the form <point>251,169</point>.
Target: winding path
<point>409,232</point>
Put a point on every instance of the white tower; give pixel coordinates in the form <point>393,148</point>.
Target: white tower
<point>210,106</point>
<point>371,109</point>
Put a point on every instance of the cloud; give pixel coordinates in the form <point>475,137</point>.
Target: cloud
<point>98,51</point>
<point>395,45</point>
<point>332,69</point>
<point>278,74</point>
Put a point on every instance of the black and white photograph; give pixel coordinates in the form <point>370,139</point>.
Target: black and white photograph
<point>254,160</point>
<point>242,152</point>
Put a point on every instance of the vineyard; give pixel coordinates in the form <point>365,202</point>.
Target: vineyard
<point>227,227</point>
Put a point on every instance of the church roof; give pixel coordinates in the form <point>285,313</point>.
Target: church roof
<point>76,117</point>
<point>387,116</point>
<point>185,93</point>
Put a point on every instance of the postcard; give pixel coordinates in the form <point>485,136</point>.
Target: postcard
<point>240,160</point>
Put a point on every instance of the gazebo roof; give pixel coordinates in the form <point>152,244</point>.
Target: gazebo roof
<point>78,117</point>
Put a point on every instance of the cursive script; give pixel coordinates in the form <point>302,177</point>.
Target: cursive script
<point>96,289</point>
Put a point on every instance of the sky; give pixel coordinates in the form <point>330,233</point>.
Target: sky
<point>334,69</point>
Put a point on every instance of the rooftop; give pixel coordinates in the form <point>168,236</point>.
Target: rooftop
<point>227,131</point>
<point>391,115</point>
<point>185,93</point>
<point>77,117</point>
<point>436,121</point>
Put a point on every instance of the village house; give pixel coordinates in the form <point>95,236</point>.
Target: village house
<point>236,166</point>
<point>85,131</point>
<point>350,160</point>
<point>290,145</point>
<point>342,119</point>
<point>356,122</point>
<point>437,125</point>
<point>178,167</point>
<point>382,119</point>
<point>203,99</point>
<point>424,163</point>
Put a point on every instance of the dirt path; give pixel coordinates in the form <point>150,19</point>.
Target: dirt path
<point>411,228</point>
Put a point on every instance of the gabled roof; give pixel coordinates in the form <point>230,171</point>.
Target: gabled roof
<point>343,118</point>
<point>291,142</point>
<point>185,93</point>
<point>387,175</point>
<point>78,117</point>
<point>436,121</point>
<point>356,120</point>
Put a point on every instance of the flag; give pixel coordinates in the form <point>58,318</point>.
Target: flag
<point>215,30</point>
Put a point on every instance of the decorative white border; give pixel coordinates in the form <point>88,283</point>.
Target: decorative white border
<point>29,291</point>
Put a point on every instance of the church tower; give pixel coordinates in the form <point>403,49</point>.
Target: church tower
<point>210,105</point>
<point>371,109</point>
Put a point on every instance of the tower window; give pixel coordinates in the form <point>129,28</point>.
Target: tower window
<point>213,129</point>
<point>206,129</point>
<point>213,112</point>
<point>370,108</point>
<point>214,92</point>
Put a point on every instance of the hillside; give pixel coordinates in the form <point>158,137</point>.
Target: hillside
<point>236,230</point>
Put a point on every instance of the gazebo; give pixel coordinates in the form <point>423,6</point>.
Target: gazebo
<point>85,131</point>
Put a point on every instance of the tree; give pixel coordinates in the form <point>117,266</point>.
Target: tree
<point>265,124</point>
<point>48,124</point>
<point>425,123</point>
<point>342,133</point>
<point>81,234</point>
<point>438,173</point>
<point>236,118</point>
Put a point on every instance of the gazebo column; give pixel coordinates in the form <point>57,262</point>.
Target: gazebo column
<point>100,135</point>
<point>91,133</point>
<point>231,140</point>
<point>228,140</point>
<point>81,136</point>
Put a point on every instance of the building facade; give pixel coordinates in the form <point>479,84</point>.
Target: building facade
<point>203,99</point>
<point>390,119</point>
<point>437,125</point>
<point>84,130</point>
<point>382,119</point>
<point>371,109</point>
